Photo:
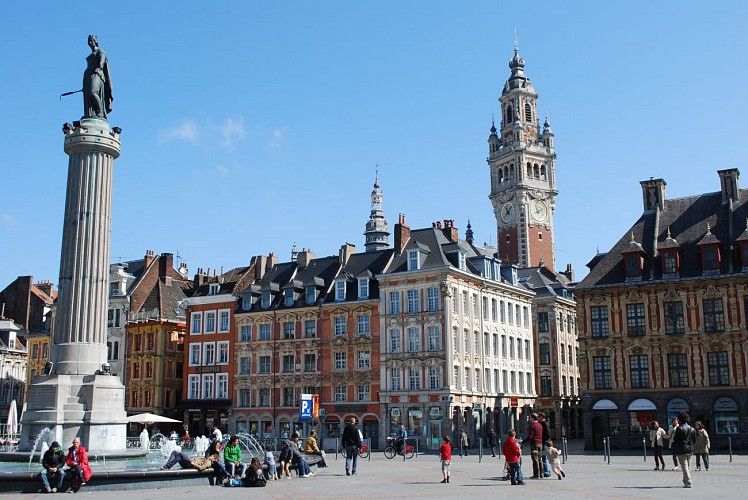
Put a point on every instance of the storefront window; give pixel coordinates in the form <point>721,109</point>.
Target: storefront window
<point>674,407</point>
<point>415,422</point>
<point>396,418</point>
<point>267,428</point>
<point>285,430</point>
<point>613,424</point>
<point>241,427</point>
<point>639,421</point>
<point>726,416</point>
<point>332,429</point>
<point>253,428</point>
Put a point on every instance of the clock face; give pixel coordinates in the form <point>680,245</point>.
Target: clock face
<point>507,212</point>
<point>538,210</point>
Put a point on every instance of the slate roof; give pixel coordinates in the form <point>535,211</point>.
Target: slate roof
<point>545,282</point>
<point>232,282</point>
<point>370,264</point>
<point>687,219</point>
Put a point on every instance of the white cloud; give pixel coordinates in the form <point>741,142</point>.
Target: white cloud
<point>276,138</point>
<point>9,220</point>
<point>232,131</point>
<point>220,170</point>
<point>186,131</point>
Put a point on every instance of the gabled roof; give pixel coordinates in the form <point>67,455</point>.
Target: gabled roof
<point>687,219</point>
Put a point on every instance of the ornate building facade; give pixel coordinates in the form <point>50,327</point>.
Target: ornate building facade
<point>662,319</point>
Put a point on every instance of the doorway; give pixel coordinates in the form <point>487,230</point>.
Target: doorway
<point>371,431</point>
<point>435,433</point>
<point>597,432</point>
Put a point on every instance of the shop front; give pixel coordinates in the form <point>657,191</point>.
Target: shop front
<point>604,422</point>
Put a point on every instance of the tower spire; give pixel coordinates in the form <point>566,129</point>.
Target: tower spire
<point>377,230</point>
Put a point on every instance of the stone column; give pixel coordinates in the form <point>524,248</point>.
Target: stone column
<point>79,346</point>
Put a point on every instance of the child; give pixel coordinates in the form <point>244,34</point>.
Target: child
<point>553,457</point>
<point>511,453</point>
<point>270,462</point>
<point>445,453</point>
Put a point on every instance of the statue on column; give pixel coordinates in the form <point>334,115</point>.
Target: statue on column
<point>97,83</point>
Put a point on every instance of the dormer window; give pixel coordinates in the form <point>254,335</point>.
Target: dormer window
<point>363,288</point>
<point>214,288</point>
<point>310,293</point>
<point>710,256</point>
<point>266,299</point>
<point>670,262</point>
<point>633,266</point>
<point>340,290</point>
<point>461,261</point>
<point>414,260</point>
<point>288,298</point>
<point>115,288</point>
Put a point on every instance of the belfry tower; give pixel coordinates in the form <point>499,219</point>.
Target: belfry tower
<point>523,174</point>
<point>377,230</point>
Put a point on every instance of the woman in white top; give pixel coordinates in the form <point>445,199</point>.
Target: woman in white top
<point>656,436</point>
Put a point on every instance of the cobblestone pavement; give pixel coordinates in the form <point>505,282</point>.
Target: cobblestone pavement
<point>587,476</point>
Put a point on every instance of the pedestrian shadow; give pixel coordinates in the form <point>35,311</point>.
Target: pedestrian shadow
<point>647,487</point>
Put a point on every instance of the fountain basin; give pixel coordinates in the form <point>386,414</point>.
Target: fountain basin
<point>107,480</point>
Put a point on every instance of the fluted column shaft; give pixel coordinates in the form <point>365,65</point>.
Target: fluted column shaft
<point>80,324</point>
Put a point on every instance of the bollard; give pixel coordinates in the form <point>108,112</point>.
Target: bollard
<point>337,447</point>
<point>405,448</point>
<point>368,440</point>
<point>608,450</point>
<point>644,445</point>
<point>480,450</point>
<point>417,447</point>
<point>729,443</point>
<point>564,450</point>
<point>605,450</point>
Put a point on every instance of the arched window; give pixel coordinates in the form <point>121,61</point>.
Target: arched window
<point>542,173</point>
<point>528,112</point>
<point>501,176</point>
<point>529,169</point>
<point>508,118</point>
<point>536,169</point>
<point>511,171</point>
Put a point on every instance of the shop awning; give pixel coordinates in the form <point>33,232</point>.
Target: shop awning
<point>604,404</point>
<point>642,405</point>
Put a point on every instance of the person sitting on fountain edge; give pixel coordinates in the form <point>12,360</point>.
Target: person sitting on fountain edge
<point>232,458</point>
<point>77,460</point>
<point>53,462</point>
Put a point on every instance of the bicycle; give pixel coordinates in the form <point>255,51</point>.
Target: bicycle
<point>363,451</point>
<point>390,450</point>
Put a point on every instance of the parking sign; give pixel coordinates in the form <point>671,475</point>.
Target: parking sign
<point>307,406</point>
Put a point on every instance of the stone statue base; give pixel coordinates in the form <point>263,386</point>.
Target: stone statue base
<point>88,406</point>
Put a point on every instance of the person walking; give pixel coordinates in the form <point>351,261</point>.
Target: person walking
<point>702,445</point>
<point>351,443</point>
<point>77,460</point>
<point>535,438</point>
<point>445,454</point>
<point>546,437</point>
<point>53,462</point>
<point>491,441</point>
<point>670,433</point>
<point>684,439</point>
<point>512,454</point>
<point>464,443</point>
<point>656,437</point>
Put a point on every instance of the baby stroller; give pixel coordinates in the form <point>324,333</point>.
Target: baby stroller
<point>505,477</point>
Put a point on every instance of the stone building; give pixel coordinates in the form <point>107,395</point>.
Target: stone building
<point>522,165</point>
<point>13,363</point>
<point>662,319</point>
<point>456,347</point>
<point>209,366</point>
<point>155,330</point>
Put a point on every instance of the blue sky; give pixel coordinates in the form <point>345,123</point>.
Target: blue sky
<point>248,126</point>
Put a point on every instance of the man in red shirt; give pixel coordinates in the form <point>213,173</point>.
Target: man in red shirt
<point>535,438</point>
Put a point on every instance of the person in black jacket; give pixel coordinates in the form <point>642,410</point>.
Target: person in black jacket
<point>684,438</point>
<point>53,462</point>
<point>351,443</point>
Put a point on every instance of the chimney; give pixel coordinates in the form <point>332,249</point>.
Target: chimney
<point>346,251</point>
<point>653,194</point>
<point>304,257</point>
<point>272,261</point>
<point>728,180</point>
<point>165,264</point>
<point>200,277</point>
<point>450,231</point>
<point>183,270</point>
<point>569,273</point>
<point>148,258</point>
<point>402,234</point>
<point>260,263</point>
<point>45,286</point>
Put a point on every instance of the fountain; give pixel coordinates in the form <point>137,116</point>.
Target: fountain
<point>44,449</point>
<point>201,445</point>
<point>45,438</point>
<point>144,441</point>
